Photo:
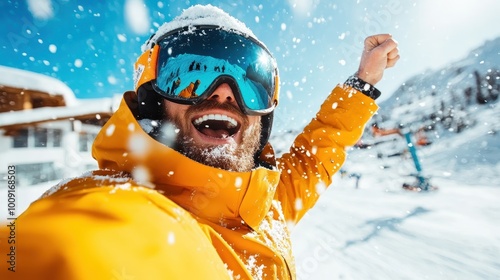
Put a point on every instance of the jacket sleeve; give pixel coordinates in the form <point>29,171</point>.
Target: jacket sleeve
<point>319,151</point>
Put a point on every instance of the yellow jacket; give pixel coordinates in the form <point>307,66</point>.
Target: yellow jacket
<point>180,219</point>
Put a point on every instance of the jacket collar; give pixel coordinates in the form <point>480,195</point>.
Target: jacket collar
<point>224,197</point>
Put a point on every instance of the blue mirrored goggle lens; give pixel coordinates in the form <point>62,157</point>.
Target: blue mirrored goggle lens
<point>190,62</point>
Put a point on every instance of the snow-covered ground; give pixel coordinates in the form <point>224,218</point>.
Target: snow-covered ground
<point>374,233</point>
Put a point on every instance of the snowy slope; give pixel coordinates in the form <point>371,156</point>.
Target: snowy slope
<point>380,231</point>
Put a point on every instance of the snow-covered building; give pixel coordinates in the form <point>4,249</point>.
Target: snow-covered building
<point>45,132</point>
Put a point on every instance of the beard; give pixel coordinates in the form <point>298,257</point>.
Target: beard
<point>231,156</point>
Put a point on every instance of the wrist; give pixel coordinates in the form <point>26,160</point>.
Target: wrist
<point>364,87</point>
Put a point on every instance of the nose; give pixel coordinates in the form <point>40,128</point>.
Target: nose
<point>222,94</point>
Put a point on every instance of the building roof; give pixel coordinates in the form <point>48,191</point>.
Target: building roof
<point>96,109</point>
<point>17,78</point>
<point>19,82</point>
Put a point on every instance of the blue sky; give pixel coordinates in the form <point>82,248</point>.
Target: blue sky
<point>92,45</point>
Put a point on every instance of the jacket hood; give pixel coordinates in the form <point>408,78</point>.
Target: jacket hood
<point>220,196</point>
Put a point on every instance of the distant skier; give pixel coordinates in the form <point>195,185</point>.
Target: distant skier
<point>191,66</point>
<point>175,85</point>
<point>422,139</point>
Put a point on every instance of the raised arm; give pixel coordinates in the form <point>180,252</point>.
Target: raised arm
<point>319,151</point>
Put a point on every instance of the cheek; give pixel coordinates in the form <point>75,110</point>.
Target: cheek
<point>176,114</point>
<point>171,109</point>
<point>252,120</point>
<point>253,127</point>
<point>175,111</point>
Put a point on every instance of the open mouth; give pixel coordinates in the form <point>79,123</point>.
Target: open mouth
<point>217,126</point>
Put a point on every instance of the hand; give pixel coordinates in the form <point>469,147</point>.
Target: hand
<point>380,52</point>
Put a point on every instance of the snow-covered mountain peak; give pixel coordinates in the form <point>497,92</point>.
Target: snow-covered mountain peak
<point>470,84</point>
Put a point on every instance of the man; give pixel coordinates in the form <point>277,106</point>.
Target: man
<point>189,187</point>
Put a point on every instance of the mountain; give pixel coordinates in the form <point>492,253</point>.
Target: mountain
<point>448,96</point>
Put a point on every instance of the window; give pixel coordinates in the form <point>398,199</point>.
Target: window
<point>37,137</point>
<point>21,138</point>
<point>86,140</point>
<point>36,173</point>
<point>83,142</point>
<point>56,138</point>
<point>41,137</point>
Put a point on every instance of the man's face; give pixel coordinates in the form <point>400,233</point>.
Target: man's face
<point>216,132</point>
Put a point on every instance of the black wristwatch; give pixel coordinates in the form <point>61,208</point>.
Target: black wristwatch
<point>360,85</point>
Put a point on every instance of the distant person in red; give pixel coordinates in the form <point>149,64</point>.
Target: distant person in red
<point>190,91</point>
<point>422,139</point>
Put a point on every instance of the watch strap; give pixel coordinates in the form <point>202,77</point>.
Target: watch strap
<point>362,86</point>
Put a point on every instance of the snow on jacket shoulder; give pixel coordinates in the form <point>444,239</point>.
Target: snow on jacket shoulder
<point>184,220</point>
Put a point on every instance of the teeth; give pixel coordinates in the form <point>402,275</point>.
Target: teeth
<point>216,117</point>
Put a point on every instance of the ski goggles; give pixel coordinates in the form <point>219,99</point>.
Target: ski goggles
<point>186,65</point>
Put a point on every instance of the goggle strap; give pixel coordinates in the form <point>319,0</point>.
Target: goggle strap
<point>145,67</point>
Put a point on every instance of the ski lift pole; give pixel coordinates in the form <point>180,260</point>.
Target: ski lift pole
<point>357,176</point>
<point>423,184</point>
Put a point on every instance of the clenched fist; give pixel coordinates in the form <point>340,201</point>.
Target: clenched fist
<point>380,52</point>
